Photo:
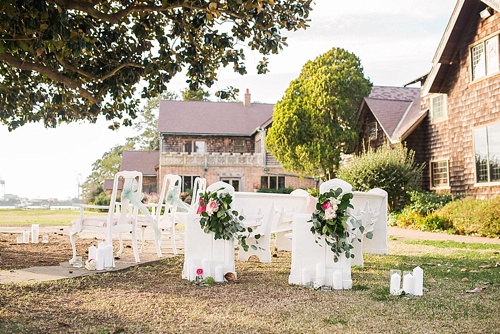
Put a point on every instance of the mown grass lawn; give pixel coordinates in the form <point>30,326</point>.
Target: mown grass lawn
<point>153,298</point>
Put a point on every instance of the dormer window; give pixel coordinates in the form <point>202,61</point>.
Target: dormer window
<point>484,57</point>
<point>372,131</point>
<point>438,107</point>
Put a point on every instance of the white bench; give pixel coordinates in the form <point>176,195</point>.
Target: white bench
<point>271,209</point>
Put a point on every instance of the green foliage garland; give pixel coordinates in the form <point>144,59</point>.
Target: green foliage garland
<point>330,220</point>
<point>218,217</point>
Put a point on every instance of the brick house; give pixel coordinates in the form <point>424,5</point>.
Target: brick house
<point>457,132</point>
<point>221,141</point>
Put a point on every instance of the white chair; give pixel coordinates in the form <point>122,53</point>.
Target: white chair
<point>202,250</point>
<point>199,186</point>
<point>163,213</point>
<point>121,216</point>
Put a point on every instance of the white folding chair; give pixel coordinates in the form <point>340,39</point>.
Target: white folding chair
<point>121,215</point>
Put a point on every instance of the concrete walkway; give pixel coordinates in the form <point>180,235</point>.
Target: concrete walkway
<point>64,270</point>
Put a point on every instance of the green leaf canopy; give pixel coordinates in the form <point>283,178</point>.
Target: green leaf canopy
<point>69,60</point>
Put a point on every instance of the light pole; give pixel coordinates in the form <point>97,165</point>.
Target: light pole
<point>78,184</point>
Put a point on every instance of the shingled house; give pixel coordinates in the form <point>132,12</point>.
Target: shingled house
<point>457,131</point>
<point>221,141</point>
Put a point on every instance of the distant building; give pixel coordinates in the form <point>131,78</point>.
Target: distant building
<point>221,141</point>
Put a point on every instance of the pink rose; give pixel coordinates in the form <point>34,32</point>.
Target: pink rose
<point>199,272</point>
<point>212,207</point>
<point>326,205</point>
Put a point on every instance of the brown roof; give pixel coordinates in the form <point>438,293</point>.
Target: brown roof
<point>212,118</point>
<point>142,161</point>
<point>108,184</point>
<point>446,53</point>
<point>396,109</point>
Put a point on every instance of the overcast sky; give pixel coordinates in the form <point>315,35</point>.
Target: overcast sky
<point>395,40</point>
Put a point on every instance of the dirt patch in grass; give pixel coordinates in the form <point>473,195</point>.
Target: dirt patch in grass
<point>18,256</point>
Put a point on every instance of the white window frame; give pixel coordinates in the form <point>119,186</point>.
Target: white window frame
<point>490,154</point>
<point>485,58</point>
<point>194,146</point>
<point>443,185</point>
<point>444,107</point>
<point>372,130</point>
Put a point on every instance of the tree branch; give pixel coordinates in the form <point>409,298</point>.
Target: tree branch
<point>49,73</point>
<point>66,65</point>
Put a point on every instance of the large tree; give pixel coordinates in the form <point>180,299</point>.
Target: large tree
<point>315,121</point>
<point>68,60</point>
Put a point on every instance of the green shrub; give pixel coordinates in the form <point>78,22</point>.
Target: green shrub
<point>426,202</point>
<point>391,169</point>
<point>434,222</point>
<point>408,218</point>
<point>473,216</point>
<point>431,222</point>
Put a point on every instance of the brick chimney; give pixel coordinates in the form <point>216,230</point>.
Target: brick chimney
<point>246,100</point>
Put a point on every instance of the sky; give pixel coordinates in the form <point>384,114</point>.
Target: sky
<point>395,40</point>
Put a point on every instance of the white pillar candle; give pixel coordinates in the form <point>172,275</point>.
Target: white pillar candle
<point>192,272</point>
<point>92,252</point>
<point>26,236</point>
<point>337,279</point>
<point>320,274</point>
<point>206,265</point>
<point>108,257</point>
<point>306,276</point>
<point>418,281</point>
<point>408,282</point>
<point>395,283</point>
<point>35,229</point>
<point>219,273</point>
<point>101,254</point>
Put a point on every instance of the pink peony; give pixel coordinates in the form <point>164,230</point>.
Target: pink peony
<point>201,207</point>
<point>326,205</point>
<point>199,272</point>
<point>212,207</point>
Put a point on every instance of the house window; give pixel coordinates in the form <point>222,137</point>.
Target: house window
<point>187,182</point>
<point>197,146</point>
<point>484,57</point>
<point>439,174</point>
<point>272,182</point>
<point>372,131</point>
<point>239,146</point>
<point>234,181</point>
<point>487,153</point>
<point>438,107</point>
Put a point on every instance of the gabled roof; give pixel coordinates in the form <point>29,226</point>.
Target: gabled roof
<point>446,52</point>
<point>212,118</point>
<point>141,161</point>
<point>396,109</point>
